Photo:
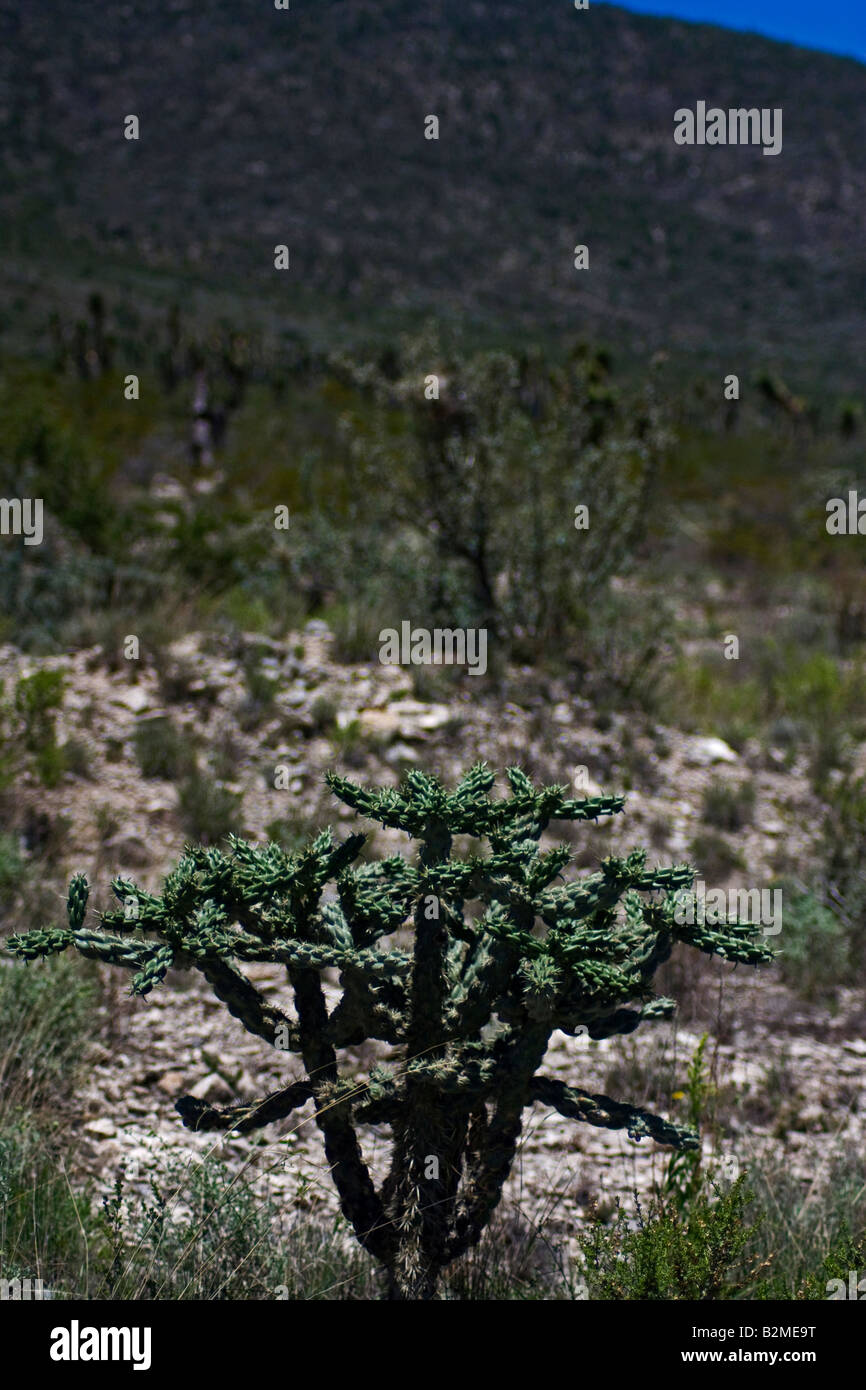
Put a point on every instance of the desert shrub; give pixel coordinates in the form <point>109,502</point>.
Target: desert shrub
<point>814,697</point>
<point>207,1233</point>
<point>626,645</point>
<point>77,758</point>
<point>671,1253</point>
<point>12,865</point>
<point>261,691</point>
<point>162,750</point>
<point>323,713</point>
<point>487,480</point>
<point>45,1228</point>
<point>728,807</point>
<point>44,1018</point>
<point>715,857</point>
<point>208,812</point>
<point>245,611</point>
<point>37,700</point>
<point>810,1231</point>
<point>815,950</point>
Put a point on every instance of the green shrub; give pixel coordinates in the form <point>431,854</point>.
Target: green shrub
<point>672,1254</point>
<point>715,857</point>
<point>37,700</point>
<point>205,1234</point>
<point>77,758</point>
<point>208,811</point>
<point>44,1019</point>
<point>815,952</point>
<point>244,611</point>
<point>728,807</point>
<point>323,712</point>
<point>162,750</point>
<point>12,865</point>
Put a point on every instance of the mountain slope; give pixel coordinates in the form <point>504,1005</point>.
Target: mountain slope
<point>306,127</point>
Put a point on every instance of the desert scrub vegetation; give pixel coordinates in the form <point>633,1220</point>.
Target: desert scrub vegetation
<point>28,728</point>
<point>205,1232</point>
<point>726,806</point>
<point>197,1229</point>
<point>716,857</point>
<point>816,957</point>
<point>478,488</point>
<point>444,484</point>
<point>44,1024</point>
<point>162,750</point>
<point>208,811</point>
<point>729,1243</point>
<point>670,1254</point>
<point>470,1007</point>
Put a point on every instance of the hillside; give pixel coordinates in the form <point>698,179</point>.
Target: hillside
<point>306,128</point>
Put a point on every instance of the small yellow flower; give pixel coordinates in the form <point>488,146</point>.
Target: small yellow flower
<point>678,1095</point>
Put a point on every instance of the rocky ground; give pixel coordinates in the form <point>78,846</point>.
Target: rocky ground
<point>791,1078</point>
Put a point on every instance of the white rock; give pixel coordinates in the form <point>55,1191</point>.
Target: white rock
<point>702,752</point>
<point>435,717</point>
<point>402,753</point>
<point>212,1089</point>
<point>167,489</point>
<point>134,698</point>
<point>103,1126</point>
<point>171,1082</point>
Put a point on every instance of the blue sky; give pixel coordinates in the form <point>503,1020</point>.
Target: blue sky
<point>836,25</point>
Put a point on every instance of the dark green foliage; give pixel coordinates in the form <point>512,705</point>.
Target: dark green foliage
<point>486,480</point>
<point>715,857</point>
<point>843,878</point>
<point>43,1018</point>
<point>162,750</point>
<point>672,1254</point>
<point>37,700</point>
<point>208,811</point>
<point>726,806</point>
<point>11,865</point>
<point>846,1257</point>
<point>469,1001</point>
<point>815,955</point>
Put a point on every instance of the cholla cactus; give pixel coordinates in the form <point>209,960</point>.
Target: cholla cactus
<point>468,1003</point>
